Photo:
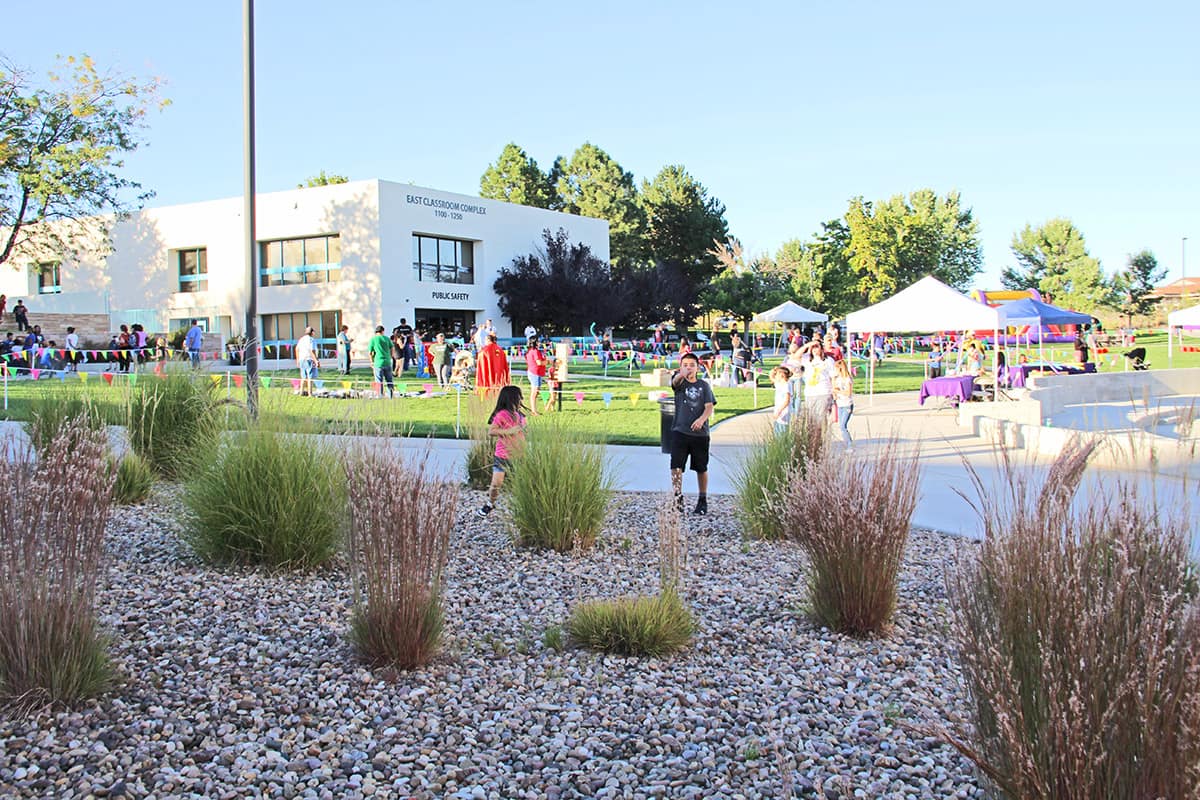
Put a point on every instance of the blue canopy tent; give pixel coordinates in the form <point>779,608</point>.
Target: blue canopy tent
<point>1035,313</point>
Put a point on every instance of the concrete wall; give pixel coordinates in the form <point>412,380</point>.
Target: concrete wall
<point>1055,392</point>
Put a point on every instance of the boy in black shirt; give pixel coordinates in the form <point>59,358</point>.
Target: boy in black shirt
<point>694,402</point>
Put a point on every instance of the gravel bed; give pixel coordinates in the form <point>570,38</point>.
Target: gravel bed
<point>240,683</point>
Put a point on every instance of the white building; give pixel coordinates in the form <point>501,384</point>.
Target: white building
<point>364,253</point>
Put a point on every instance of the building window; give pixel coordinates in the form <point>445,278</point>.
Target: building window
<point>193,269</point>
<point>315,259</point>
<point>282,330</point>
<point>443,260</point>
<point>49,277</point>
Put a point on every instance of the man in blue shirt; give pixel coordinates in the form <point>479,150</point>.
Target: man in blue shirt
<point>193,342</point>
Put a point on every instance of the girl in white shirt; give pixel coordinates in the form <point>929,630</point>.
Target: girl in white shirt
<point>781,414</point>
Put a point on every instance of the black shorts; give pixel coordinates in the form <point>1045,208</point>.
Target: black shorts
<point>683,446</point>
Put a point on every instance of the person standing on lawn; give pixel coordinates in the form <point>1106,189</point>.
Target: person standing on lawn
<point>491,368</point>
<point>535,368</point>
<point>380,350</point>
<point>694,403</point>
<point>192,343</point>
<point>306,359</point>
<point>343,347</point>
<point>507,424</point>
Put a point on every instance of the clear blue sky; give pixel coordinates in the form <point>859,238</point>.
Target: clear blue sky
<point>783,110</point>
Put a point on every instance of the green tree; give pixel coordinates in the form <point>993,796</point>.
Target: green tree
<point>592,184</point>
<point>322,180</point>
<point>61,152</point>
<point>744,294</point>
<point>821,274</point>
<point>895,242</point>
<point>516,178</point>
<point>1132,286</point>
<point>682,222</point>
<point>1054,258</point>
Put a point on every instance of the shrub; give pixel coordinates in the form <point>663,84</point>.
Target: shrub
<point>52,525</point>
<point>633,626</point>
<point>852,516</point>
<point>399,536</point>
<point>51,410</point>
<point>762,476</point>
<point>133,479</point>
<point>559,488</point>
<point>480,457</point>
<point>173,422</point>
<point>267,497</point>
<point>1078,632</point>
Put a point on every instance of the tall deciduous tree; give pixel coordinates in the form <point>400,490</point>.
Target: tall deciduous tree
<point>322,179</point>
<point>682,222</point>
<point>1054,258</point>
<point>592,184</point>
<point>656,293</point>
<point>562,289</point>
<point>516,178</point>
<point>744,294</point>
<point>1132,286</point>
<point>61,151</point>
<point>822,277</point>
<point>895,242</point>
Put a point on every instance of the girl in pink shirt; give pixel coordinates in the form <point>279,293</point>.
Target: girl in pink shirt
<point>507,424</point>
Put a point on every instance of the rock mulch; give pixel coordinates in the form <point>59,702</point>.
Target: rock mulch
<point>240,683</point>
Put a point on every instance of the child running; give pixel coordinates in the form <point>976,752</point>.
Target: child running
<point>507,424</point>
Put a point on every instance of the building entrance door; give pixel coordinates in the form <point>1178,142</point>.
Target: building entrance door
<point>453,322</point>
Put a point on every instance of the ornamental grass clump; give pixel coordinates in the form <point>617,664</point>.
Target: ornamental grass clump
<point>1078,632</point>
<point>655,625</point>
<point>762,475</point>
<point>173,422</point>
<point>397,545</point>
<point>480,457</point>
<point>559,488</point>
<point>267,496</point>
<point>133,479</point>
<point>51,410</point>
<point>851,516</point>
<point>52,525</point>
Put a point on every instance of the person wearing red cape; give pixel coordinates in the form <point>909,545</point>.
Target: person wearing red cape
<point>491,370</point>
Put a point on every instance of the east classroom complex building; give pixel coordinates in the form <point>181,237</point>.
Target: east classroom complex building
<point>363,253</point>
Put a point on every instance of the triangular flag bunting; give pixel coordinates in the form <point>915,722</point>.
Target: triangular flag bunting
<point>400,387</point>
<point>215,379</point>
<point>34,373</point>
<point>579,398</point>
<point>295,383</point>
<point>607,397</point>
<point>633,399</point>
<point>319,384</point>
<point>107,377</point>
<point>376,387</point>
<point>133,379</point>
<point>238,380</point>
<point>545,395</point>
<point>345,384</point>
<point>83,377</point>
<point>266,381</point>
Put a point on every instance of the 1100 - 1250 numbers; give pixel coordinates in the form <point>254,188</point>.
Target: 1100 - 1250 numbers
<point>447,214</point>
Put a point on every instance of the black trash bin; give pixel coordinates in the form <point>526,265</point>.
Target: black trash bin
<point>666,419</point>
<point>235,357</point>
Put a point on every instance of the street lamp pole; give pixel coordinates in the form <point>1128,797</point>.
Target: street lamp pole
<point>250,357</point>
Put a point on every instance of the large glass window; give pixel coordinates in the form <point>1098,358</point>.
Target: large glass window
<point>314,259</point>
<point>443,260</point>
<point>193,269</point>
<point>282,330</point>
<point>49,277</point>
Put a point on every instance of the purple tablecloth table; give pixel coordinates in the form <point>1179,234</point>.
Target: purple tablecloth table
<point>1020,373</point>
<point>959,387</point>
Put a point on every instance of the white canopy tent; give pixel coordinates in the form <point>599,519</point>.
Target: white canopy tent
<point>788,311</point>
<point>927,305</point>
<point>1183,318</point>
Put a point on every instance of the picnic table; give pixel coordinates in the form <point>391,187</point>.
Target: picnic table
<point>958,388</point>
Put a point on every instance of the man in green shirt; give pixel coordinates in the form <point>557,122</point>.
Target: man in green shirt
<point>380,350</point>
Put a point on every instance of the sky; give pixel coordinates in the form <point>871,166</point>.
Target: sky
<point>784,111</point>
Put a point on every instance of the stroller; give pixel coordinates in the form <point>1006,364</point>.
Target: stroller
<point>1137,358</point>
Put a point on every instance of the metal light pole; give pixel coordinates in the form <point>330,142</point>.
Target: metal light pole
<point>250,356</point>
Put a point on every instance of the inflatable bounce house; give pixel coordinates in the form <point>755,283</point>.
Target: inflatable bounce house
<point>1047,334</point>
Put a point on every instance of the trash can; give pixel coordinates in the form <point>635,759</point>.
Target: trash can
<point>666,419</point>
<point>235,357</point>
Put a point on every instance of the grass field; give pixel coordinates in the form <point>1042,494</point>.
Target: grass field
<point>618,422</point>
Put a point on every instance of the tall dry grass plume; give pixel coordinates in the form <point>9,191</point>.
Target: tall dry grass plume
<point>399,536</point>
<point>763,474</point>
<point>852,517</point>
<point>480,455</point>
<point>51,546</point>
<point>672,547</point>
<point>1078,631</point>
